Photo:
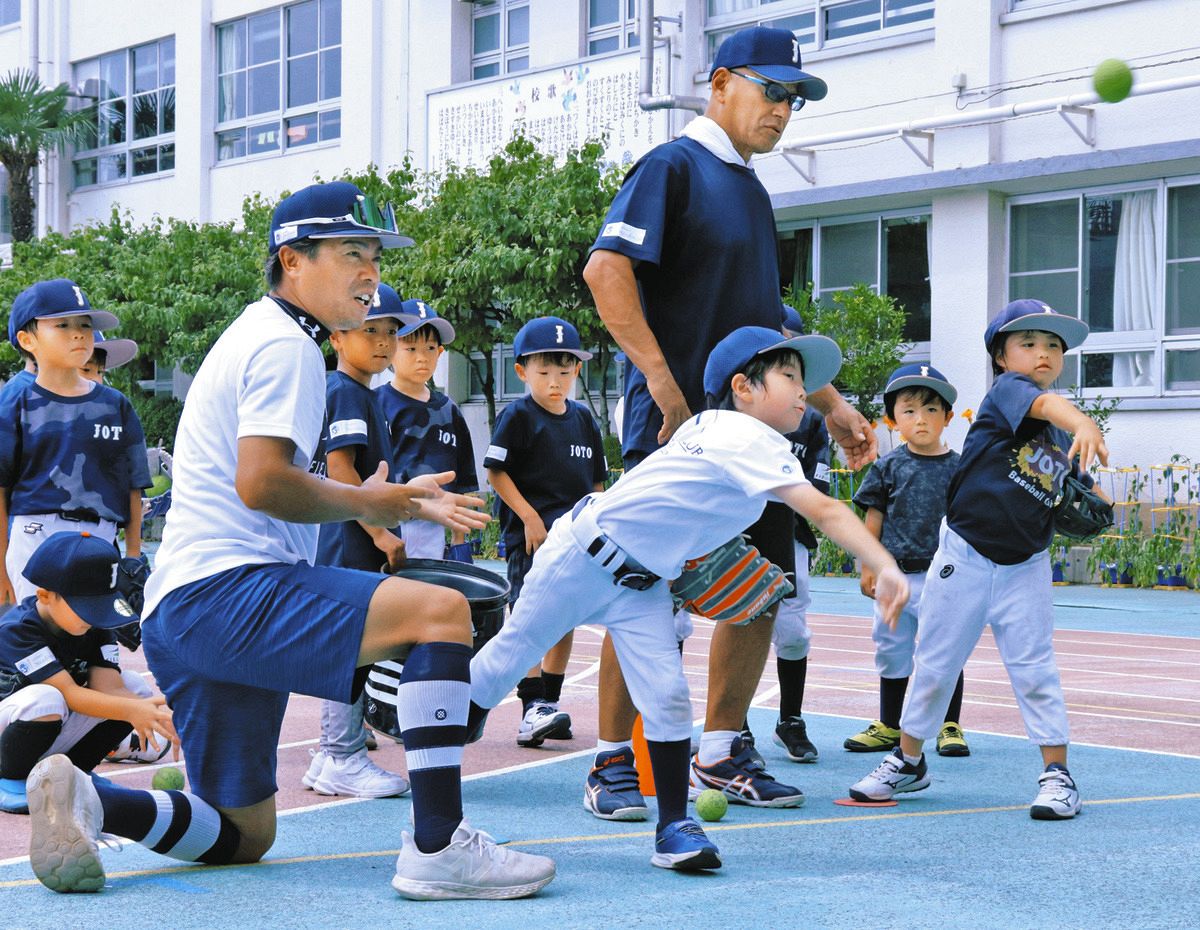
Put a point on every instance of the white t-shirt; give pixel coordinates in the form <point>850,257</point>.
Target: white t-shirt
<point>264,377</point>
<point>707,485</point>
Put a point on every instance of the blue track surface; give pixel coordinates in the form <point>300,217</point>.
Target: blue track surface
<point>962,854</point>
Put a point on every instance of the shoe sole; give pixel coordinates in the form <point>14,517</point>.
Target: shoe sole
<point>63,858</point>
<point>862,747</point>
<point>788,801</point>
<point>624,814</point>
<point>449,891</point>
<point>954,751</point>
<point>332,791</point>
<point>807,757</point>
<point>916,786</point>
<point>1040,812</point>
<point>698,861</point>
<point>547,731</point>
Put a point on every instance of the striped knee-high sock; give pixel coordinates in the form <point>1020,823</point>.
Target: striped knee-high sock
<point>177,824</point>
<point>432,699</point>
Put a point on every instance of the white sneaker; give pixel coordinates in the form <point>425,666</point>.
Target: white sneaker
<point>472,866</point>
<point>65,817</point>
<point>309,778</point>
<point>892,776</point>
<point>357,776</point>
<point>1057,797</point>
<point>131,750</point>
<point>541,722</point>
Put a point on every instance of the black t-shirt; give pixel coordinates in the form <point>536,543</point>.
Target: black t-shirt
<point>1012,469</point>
<point>910,490</point>
<point>31,650</point>
<point>553,459</point>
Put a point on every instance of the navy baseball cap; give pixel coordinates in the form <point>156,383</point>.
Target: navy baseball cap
<point>773,53</point>
<point>821,356</point>
<point>334,210</point>
<point>791,320</point>
<point>549,334</point>
<point>919,376</point>
<point>48,300</point>
<point>1036,315</point>
<point>387,304</point>
<point>117,352</point>
<point>81,569</point>
<point>417,313</point>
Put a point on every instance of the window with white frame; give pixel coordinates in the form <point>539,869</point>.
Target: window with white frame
<point>817,23</point>
<point>10,12</point>
<point>612,25</point>
<point>129,97</point>
<point>499,37</point>
<point>1127,262</point>
<point>279,80</point>
<point>888,252</point>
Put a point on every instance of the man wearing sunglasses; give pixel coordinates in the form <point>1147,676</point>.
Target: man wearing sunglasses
<point>237,616</point>
<point>686,255</point>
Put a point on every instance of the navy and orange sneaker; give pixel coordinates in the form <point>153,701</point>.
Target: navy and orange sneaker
<point>742,780</point>
<point>612,790</point>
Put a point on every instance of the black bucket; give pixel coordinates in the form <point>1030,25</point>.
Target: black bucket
<point>486,593</point>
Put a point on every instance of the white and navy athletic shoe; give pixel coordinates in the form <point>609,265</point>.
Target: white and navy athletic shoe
<point>563,732</point>
<point>356,776</point>
<point>612,791</point>
<point>542,721</point>
<point>1057,797</point>
<point>743,780</point>
<point>65,817</point>
<point>683,845</point>
<point>892,776</point>
<point>130,749</point>
<point>472,866</point>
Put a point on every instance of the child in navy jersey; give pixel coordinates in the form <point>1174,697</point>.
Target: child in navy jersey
<point>428,432</point>
<point>356,441</point>
<point>545,455</point>
<point>72,453</point>
<point>991,566</point>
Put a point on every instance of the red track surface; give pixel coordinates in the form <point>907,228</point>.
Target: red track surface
<point>1123,690</point>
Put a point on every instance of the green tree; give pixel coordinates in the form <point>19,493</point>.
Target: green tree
<point>869,327</point>
<point>33,120</point>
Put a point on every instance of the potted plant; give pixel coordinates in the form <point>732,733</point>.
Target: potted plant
<point>1060,547</point>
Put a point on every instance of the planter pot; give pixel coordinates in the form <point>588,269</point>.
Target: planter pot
<point>1170,578</point>
<point>1114,577</point>
<point>1058,573</point>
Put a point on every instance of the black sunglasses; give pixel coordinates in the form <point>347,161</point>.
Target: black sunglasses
<point>776,92</point>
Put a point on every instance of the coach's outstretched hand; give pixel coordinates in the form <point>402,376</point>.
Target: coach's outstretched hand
<point>891,594</point>
<point>457,511</point>
<point>387,504</point>
<point>853,435</point>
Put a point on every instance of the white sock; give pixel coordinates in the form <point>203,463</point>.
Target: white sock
<point>716,745</point>
<point>603,745</point>
<point>911,760</point>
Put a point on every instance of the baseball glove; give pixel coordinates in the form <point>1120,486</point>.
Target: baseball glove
<point>132,574</point>
<point>1081,513</point>
<point>732,584</point>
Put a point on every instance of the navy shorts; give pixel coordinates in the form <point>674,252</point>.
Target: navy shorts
<point>228,650</point>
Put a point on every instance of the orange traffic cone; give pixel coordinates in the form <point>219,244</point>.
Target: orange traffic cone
<point>641,760</point>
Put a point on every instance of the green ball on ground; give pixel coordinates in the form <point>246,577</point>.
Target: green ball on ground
<point>1112,80</point>
<point>168,779</point>
<point>711,804</point>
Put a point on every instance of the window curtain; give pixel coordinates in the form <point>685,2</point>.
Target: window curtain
<point>1134,285</point>
<point>228,40</point>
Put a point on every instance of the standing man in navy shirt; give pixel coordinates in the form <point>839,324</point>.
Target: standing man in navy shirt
<point>686,255</point>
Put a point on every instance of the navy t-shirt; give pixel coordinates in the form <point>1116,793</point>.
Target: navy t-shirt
<point>429,437</point>
<point>810,444</point>
<point>17,384</point>
<point>910,491</point>
<point>1012,469</point>
<point>71,454</point>
<point>553,459</point>
<point>701,234</point>
<point>353,420</point>
<point>31,650</point>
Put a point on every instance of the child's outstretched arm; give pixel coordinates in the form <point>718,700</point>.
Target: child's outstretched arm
<point>839,523</point>
<point>1088,440</point>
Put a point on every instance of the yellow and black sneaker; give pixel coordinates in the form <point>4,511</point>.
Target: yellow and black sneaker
<point>952,742</point>
<point>878,737</point>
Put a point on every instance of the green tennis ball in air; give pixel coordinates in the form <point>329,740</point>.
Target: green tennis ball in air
<point>168,779</point>
<point>1112,80</point>
<point>711,805</point>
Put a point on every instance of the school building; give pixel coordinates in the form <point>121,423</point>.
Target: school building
<point>960,159</point>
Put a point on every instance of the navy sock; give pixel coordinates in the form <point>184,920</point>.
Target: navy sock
<point>97,743</point>
<point>530,690</point>
<point>552,686</point>
<point>22,743</point>
<point>954,711</point>
<point>792,675</point>
<point>432,699</point>
<point>174,823</point>
<point>669,761</point>
<point>891,700</point>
